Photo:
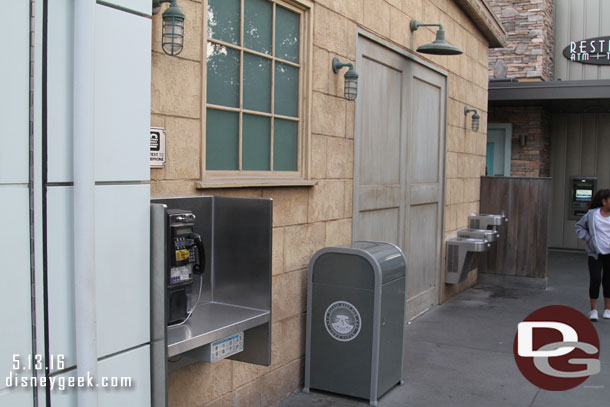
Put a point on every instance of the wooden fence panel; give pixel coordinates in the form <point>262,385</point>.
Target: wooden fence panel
<point>522,247</point>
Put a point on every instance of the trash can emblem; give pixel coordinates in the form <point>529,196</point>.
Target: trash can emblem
<point>342,321</point>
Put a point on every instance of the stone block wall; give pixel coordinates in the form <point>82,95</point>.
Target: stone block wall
<point>528,53</point>
<point>532,125</point>
<point>306,219</point>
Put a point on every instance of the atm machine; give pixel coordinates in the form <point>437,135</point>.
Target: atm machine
<point>581,191</point>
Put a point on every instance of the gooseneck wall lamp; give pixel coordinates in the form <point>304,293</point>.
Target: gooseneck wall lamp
<point>172,38</point>
<point>439,46</point>
<point>476,119</point>
<point>350,91</point>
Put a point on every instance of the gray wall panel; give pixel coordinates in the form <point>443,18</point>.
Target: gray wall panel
<point>15,319</point>
<point>588,157</point>
<point>577,33</point>
<point>577,20</point>
<point>580,146</point>
<point>604,15</point>
<point>573,168</point>
<point>591,29</point>
<point>562,36</point>
<point>558,171</point>
<point>14,88</point>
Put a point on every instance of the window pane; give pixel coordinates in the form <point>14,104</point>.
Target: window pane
<point>287,28</point>
<point>223,20</point>
<point>256,144</point>
<point>257,83</point>
<point>258,21</point>
<point>223,76</point>
<point>286,100</point>
<point>285,145</point>
<point>222,140</point>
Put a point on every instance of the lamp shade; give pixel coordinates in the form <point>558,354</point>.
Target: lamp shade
<point>173,30</point>
<point>350,91</point>
<point>476,120</point>
<point>440,46</point>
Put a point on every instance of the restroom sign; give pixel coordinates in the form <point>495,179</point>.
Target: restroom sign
<point>157,147</point>
<point>594,51</point>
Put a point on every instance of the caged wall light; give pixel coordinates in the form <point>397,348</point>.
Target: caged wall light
<point>475,118</point>
<point>350,92</point>
<point>439,46</point>
<point>172,38</point>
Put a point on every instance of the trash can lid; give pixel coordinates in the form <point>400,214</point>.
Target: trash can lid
<point>355,265</point>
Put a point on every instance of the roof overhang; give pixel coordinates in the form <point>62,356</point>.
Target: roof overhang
<point>551,90</point>
<point>485,20</point>
<point>555,96</point>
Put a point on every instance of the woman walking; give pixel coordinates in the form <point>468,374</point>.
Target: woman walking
<point>594,228</point>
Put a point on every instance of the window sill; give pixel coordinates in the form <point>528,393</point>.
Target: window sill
<point>253,183</point>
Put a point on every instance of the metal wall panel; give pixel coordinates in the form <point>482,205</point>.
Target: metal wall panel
<point>604,15</point>
<point>16,397</point>
<point>134,364</point>
<point>137,6</point>
<point>573,168</point>
<point>577,32</point>
<point>577,20</point>
<point>591,29</point>
<point>122,269</point>
<point>558,189</point>
<point>14,93</point>
<point>60,266</point>
<point>580,146</point>
<point>59,88</point>
<point>561,28</point>
<point>122,228</point>
<point>15,268</point>
<point>122,94</point>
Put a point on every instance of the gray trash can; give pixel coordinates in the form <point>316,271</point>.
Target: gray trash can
<point>355,319</point>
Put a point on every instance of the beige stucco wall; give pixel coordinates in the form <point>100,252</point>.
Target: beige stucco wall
<point>309,218</point>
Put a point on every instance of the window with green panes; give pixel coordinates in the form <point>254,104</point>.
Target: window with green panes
<point>253,82</point>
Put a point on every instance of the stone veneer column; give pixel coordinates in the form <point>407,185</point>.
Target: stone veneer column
<point>528,53</point>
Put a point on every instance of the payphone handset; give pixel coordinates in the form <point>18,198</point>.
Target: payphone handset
<point>186,258</point>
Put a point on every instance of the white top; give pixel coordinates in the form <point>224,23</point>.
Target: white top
<point>602,229</point>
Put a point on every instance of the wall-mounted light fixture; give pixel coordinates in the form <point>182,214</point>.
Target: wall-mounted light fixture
<point>439,46</point>
<point>475,118</point>
<point>523,140</point>
<point>172,38</point>
<point>350,91</point>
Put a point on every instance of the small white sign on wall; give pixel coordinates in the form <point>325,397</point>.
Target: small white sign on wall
<point>157,147</point>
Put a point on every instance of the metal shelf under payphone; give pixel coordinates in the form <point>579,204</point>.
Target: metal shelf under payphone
<point>236,294</point>
<point>210,322</point>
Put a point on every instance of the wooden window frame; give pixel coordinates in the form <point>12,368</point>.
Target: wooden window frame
<point>240,178</point>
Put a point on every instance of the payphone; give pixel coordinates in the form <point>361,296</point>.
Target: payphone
<point>581,190</point>
<point>186,257</point>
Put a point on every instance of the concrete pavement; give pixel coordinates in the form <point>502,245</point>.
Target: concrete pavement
<point>459,354</point>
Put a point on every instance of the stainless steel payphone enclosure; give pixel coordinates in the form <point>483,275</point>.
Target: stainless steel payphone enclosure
<point>236,295</point>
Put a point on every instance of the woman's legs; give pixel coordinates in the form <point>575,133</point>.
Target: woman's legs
<point>605,259</point>
<point>595,279</point>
